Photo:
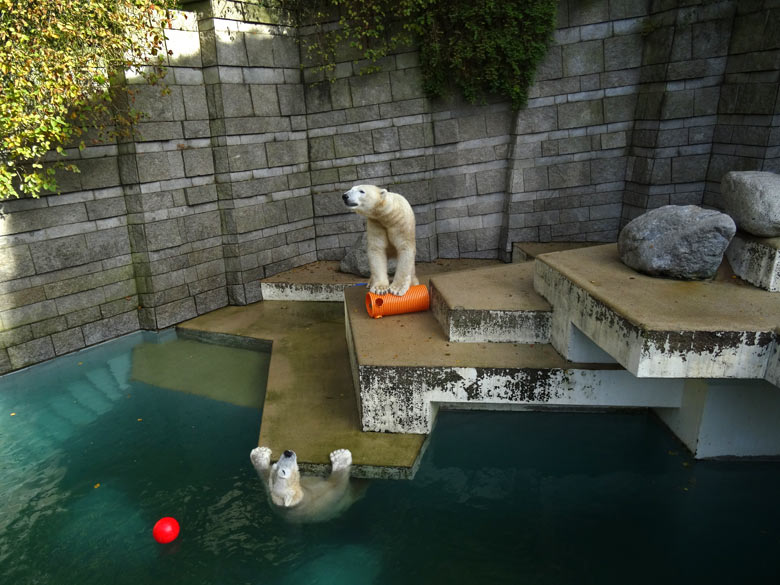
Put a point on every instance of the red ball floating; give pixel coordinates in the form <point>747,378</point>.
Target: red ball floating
<point>166,530</point>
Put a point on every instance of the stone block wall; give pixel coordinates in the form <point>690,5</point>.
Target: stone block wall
<point>237,171</point>
<point>747,130</point>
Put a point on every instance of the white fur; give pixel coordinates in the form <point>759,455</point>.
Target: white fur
<point>390,229</point>
<point>306,499</point>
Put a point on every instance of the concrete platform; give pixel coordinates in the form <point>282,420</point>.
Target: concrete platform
<point>525,251</point>
<point>405,368</point>
<point>495,304</point>
<point>657,327</point>
<point>322,281</point>
<point>310,403</point>
<point>756,260</point>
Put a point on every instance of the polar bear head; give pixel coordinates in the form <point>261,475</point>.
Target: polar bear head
<point>364,199</point>
<point>285,481</point>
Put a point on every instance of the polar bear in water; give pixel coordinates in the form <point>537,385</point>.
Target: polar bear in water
<point>306,499</point>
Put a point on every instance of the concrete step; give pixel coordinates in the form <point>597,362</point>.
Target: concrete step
<point>322,280</point>
<point>497,304</point>
<point>404,369</point>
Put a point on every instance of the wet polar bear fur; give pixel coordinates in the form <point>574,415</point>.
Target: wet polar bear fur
<point>390,230</point>
<point>306,499</point>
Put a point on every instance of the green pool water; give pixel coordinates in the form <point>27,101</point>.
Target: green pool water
<point>91,458</point>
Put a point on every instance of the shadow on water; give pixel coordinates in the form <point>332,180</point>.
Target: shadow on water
<point>500,497</point>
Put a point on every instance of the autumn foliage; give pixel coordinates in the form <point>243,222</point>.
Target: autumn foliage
<point>61,70</point>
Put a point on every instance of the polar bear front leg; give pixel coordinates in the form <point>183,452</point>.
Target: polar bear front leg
<point>376,250</point>
<point>404,273</point>
<point>261,460</point>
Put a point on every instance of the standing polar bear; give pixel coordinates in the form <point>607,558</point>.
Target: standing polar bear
<point>306,499</point>
<point>390,229</point>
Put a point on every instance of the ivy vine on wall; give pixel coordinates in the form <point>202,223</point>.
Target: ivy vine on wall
<point>480,47</point>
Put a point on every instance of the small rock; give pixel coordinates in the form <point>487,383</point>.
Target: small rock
<point>684,242</point>
<point>355,261</point>
<point>752,199</point>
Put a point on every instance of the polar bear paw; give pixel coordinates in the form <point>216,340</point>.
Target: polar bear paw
<point>341,459</point>
<point>380,288</point>
<point>399,289</point>
<point>261,457</point>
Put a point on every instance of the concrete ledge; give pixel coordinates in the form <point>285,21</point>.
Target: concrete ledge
<point>494,304</point>
<point>656,327</point>
<point>404,378</point>
<point>756,260</point>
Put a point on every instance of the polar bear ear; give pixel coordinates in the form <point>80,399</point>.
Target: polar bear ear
<point>382,193</point>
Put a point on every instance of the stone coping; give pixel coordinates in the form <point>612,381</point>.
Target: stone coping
<point>657,327</point>
<point>662,304</point>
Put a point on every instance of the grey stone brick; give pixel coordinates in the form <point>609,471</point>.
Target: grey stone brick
<point>446,131</point>
<point>26,314</point>
<point>107,243</point>
<point>689,169</point>
<point>245,157</point>
<point>98,173</point>
<point>162,234</point>
<point>104,208</point>
<point>677,104</point>
<point>299,208</point>
<point>259,48</point>
<point>588,12</point>
<point>535,179</point>
<point>472,127</point>
<point>583,58</point>
<point>622,52</point>
<point>236,100</point>
<point>353,144</point>
<point>370,89</point>
<point>449,187</point>
<point>265,100</point>
<point>608,170</point>
<point>578,114</point>
<point>198,161</point>
<point>620,108</point>
<point>291,100</point>
<point>569,175</point>
<point>285,50</point>
<point>533,120</point>
<point>406,84</point>
<point>385,139</point>
<point>159,166</point>
<point>413,136</point>
<point>492,181</point>
<point>32,352</point>
<point>68,341</point>
<point>17,263</point>
<point>551,66</point>
<point>290,152</point>
<point>318,98</point>
<point>59,253</point>
<point>321,148</point>
<point>201,226</point>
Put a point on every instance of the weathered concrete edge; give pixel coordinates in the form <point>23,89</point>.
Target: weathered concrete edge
<point>285,291</point>
<point>647,353</point>
<point>402,399</point>
<point>752,259</point>
<point>462,325</point>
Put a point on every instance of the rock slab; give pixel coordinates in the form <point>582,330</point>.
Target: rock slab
<point>355,261</point>
<point>752,199</point>
<point>684,242</point>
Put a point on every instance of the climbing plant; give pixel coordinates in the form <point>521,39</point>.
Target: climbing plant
<point>60,61</point>
<point>481,47</point>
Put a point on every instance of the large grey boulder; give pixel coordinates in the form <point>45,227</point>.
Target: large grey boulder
<point>355,261</point>
<point>684,242</point>
<point>752,199</point>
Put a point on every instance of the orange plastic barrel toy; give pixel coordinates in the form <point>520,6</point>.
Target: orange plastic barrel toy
<point>415,299</point>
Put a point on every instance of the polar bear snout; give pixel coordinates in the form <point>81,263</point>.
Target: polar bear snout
<point>288,453</point>
<point>349,199</point>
